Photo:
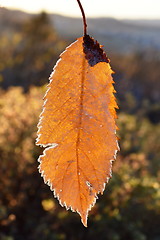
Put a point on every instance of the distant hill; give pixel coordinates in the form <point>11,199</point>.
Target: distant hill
<point>144,22</point>
<point>123,36</point>
<point>12,18</point>
<point>119,35</point>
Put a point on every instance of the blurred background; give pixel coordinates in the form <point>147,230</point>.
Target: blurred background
<point>32,35</point>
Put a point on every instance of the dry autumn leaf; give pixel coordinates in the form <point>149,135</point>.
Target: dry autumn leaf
<point>77,126</point>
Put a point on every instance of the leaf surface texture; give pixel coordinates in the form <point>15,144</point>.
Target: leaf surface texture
<point>77,126</point>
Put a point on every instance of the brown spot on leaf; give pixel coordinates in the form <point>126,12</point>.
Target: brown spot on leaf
<point>93,52</point>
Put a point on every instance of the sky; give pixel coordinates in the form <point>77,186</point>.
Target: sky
<point>133,9</point>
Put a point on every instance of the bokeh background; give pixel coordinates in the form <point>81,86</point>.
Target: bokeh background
<point>30,44</point>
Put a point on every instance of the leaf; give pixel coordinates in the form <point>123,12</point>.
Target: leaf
<point>77,126</point>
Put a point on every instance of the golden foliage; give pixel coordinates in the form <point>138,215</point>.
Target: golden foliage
<point>78,125</point>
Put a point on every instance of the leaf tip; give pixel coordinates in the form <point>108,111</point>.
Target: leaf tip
<point>84,220</point>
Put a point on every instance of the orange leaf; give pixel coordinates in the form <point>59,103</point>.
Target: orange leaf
<point>78,128</point>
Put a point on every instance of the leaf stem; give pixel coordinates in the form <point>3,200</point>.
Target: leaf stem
<point>84,18</point>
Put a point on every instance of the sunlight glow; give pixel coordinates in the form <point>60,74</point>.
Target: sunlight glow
<point>142,9</point>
